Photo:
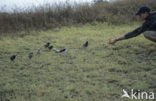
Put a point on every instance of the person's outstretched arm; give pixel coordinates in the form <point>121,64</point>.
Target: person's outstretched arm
<point>129,35</point>
<point>132,34</point>
<point>113,41</point>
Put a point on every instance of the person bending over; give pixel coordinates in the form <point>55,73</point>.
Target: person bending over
<point>148,28</point>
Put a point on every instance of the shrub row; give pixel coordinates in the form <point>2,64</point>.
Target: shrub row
<point>117,12</point>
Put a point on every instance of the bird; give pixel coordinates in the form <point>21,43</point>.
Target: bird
<point>30,55</point>
<point>50,47</point>
<point>47,45</point>
<point>38,50</point>
<point>12,58</point>
<point>85,44</point>
<point>56,50</point>
<point>64,50</point>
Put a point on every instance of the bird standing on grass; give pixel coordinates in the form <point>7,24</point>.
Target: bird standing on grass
<point>38,50</point>
<point>85,44</point>
<point>56,50</point>
<point>64,50</point>
<point>30,55</point>
<point>50,47</point>
<point>12,58</point>
<point>47,45</point>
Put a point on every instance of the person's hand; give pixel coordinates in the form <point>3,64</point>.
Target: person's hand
<point>113,41</point>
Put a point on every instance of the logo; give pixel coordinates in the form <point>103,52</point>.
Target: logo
<point>125,94</point>
<point>138,95</point>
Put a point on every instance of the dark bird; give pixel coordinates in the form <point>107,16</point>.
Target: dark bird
<point>30,55</point>
<point>50,47</point>
<point>47,45</point>
<point>12,58</point>
<point>64,50</point>
<point>85,44</point>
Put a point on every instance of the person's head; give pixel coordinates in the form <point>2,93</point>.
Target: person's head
<point>143,12</point>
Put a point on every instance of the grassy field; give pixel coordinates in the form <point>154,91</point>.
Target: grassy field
<point>96,73</point>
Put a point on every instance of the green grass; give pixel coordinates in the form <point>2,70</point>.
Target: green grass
<point>97,73</point>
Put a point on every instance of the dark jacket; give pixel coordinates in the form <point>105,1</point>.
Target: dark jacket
<point>148,25</point>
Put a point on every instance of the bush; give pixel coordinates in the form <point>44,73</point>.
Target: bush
<point>117,12</point>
